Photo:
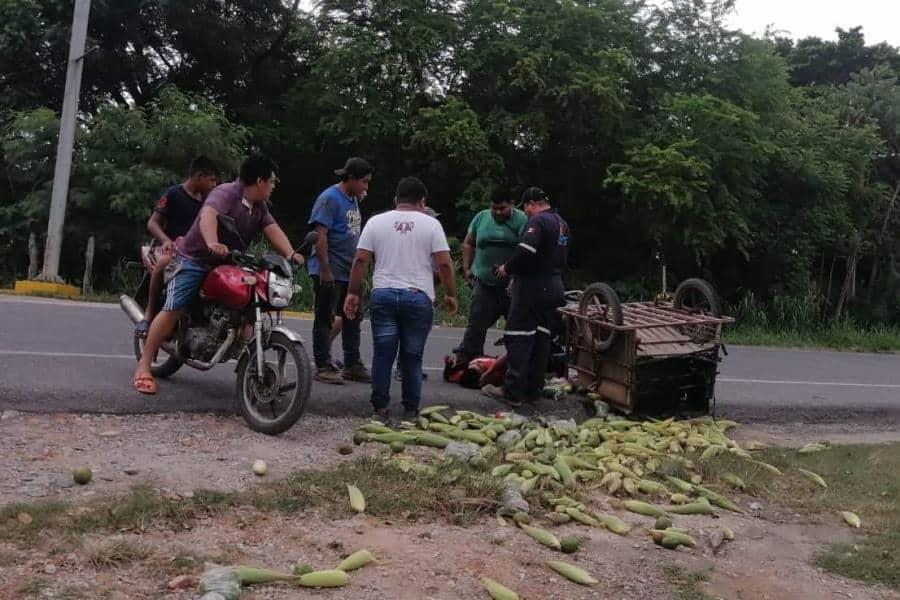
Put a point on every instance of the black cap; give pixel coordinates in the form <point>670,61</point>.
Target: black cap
<point>355,167</point>
<point>534,194</point>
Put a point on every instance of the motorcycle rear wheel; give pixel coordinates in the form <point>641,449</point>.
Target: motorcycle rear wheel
<point>271,404</point>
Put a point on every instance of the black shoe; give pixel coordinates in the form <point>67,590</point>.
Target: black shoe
<point>410,414</point>
<point>382,414</point>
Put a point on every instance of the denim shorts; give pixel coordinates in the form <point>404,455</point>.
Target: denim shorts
<point>184,278</point>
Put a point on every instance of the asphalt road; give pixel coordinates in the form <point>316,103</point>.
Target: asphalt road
<point>70,356</point>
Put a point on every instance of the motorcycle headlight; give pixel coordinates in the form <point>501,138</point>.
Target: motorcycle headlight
<point>280,290</point>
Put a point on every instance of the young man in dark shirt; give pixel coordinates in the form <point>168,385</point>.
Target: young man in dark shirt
<point>246,202</point>
<point>172,216</point>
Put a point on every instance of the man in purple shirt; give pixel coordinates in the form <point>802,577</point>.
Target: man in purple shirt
<point>205,245</point>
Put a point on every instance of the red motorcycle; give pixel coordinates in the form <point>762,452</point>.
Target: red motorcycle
<point>274,373</point>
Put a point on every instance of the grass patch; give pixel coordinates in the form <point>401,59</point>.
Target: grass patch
<point>33,588</point>
<point>846,336</point>
<point>457,495</point>
<point>185,560</point>
<point>109,555</point>
<point>861,478</point>
<point>686,583</point>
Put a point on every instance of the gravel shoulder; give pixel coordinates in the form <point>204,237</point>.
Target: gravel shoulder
<point>179,453</point>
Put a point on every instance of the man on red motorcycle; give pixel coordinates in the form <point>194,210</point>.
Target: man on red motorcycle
<point>206,245</point>
<point>172,216</point>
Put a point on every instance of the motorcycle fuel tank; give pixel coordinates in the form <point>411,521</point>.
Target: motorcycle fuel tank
<point>226,284</point>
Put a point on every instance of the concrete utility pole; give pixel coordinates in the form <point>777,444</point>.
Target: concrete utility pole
<point>63,169</point>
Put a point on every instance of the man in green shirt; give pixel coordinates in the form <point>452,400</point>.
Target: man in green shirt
<point>491,239</point>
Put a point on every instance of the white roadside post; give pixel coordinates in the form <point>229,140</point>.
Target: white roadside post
<point>59,196</point>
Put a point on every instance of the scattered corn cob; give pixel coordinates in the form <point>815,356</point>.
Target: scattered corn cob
<point>357,560</point>
<point>324,579</point>
<point>694,508</point>
<point>613,523</point>
<point>541,535</point>
<point>572,573</point>
<point>498,591</point>
<point>357,500</point>
<point>642,508</point>
<point>251,575</point>
<point>814,477</point>
<point>851,519</point>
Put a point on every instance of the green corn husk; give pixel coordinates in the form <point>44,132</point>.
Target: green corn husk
<point>572,573</point>
<point>498,591</point>
<point>581,517</point>
<point>642,508</point>
<point>613,523</point>
<point>694,508</point>
<point>357,500</point>
<point>541,535</point>
<point>253,575</point>
<point>357,560</point>
<point>431,439</point>
<point>324,579</point>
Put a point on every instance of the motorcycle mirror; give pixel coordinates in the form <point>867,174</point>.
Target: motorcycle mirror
<point>309,242</point>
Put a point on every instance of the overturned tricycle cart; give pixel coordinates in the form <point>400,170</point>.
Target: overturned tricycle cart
<point>657,357</point>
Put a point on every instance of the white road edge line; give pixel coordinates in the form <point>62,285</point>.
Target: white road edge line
<point>821,383</point>
<point>719,380</point>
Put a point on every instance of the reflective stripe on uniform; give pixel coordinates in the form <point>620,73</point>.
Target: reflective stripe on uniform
<point>532,332</point>
<point>543,330</point>
<point>527,247</point>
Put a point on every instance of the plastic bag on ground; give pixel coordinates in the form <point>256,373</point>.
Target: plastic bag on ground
<point>219,583</point>
<point>461,451</point>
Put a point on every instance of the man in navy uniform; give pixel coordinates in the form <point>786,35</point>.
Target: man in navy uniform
<point>536,268</point>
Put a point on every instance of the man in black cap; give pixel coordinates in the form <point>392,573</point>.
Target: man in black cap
<point>536,267</point>
<point>337,221</point>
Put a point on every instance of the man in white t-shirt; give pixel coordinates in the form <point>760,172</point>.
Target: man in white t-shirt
<point>406,246</point>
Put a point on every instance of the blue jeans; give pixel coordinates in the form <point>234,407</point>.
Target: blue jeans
<point>399,317</point>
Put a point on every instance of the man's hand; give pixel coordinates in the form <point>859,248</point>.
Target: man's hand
<point>468,276</point>
<point>168,247</point>
<point>218,250</point>
<point>450,304</point>
<point>500,272</point>
<point>351,305</point>
<point>326,278</point>
<point>298,259</point>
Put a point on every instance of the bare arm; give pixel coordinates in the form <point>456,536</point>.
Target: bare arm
<point>209,225</point>
<point>276,236</point>
<point>445,271</point>
<point>156,227</point>
<point>358,271</point>
<point>468,255</point>
<point>325,274</point>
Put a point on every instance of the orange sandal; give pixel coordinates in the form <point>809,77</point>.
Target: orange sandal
<point>145,384</point>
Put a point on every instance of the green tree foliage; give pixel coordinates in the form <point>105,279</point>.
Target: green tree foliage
<point>768,165</point>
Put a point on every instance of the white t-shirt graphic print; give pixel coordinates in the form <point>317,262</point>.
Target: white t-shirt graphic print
<point>403,242</point>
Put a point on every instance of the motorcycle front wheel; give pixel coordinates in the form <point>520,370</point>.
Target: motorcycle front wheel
<point>273,401</point>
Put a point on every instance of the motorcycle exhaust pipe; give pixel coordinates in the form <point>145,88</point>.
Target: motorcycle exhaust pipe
<point>131,308</point>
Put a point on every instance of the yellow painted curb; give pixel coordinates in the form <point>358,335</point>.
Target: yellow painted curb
<point>297,315</point>
<point>43,287</point>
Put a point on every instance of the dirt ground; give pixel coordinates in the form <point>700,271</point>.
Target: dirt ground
<point>770,558</point>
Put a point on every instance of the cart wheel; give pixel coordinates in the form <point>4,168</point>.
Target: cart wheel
<point>599,302</point>
<point>697,296</point>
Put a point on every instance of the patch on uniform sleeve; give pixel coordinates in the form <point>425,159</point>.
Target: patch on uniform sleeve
<point>162,203</point>
<point>531,229</point>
